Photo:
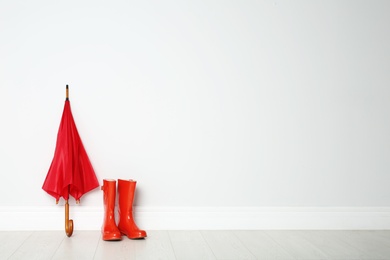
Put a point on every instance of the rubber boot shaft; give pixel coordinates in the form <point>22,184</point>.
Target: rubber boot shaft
<point>110,230</point>
<point>127,226</point>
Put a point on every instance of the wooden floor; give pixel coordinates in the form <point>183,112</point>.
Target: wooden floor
<point>198,245</point>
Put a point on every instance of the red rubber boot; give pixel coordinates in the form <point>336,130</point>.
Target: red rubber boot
<point>127,226</point>
<point>109,229</point>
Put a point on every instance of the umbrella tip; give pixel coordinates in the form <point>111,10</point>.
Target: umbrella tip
<point>67,92</point>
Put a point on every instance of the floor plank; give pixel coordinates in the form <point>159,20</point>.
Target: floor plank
<point>156,246</point>
<point>10,241</point>
<point>261,245</point>
<point>183,245</point>
<point>332,246</point>
<point>189,245</point>
<point>374,245</point>
<point>384,233</point>
<point>115,249</point>
<point>39,245</point>
<point>225,245</point>
<point>82,245</point>
<point>124,249</point>
<point>297,246</point>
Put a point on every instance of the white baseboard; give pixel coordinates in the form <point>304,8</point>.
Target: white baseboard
<point>203,218</point>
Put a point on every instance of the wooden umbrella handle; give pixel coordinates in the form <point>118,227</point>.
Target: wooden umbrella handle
<point>68,222</point>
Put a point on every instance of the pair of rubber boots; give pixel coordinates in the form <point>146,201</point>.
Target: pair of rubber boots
<point>126,226</point>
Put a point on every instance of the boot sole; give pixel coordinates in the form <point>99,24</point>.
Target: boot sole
<point>136,237</point>
<point>111,238</point>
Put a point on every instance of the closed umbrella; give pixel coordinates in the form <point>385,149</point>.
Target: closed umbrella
<point>71,172</point>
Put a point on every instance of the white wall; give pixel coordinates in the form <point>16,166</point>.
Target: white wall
<point>206,103</point>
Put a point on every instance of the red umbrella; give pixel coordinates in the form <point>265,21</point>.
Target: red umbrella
<point>71,172</point>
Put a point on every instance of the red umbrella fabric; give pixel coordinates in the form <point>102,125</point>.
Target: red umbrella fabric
<point>71,172</point>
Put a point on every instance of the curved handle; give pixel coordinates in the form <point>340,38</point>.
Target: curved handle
<point>68,222</point>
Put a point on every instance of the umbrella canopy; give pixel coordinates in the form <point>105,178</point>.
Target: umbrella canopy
<point>71,171</point>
